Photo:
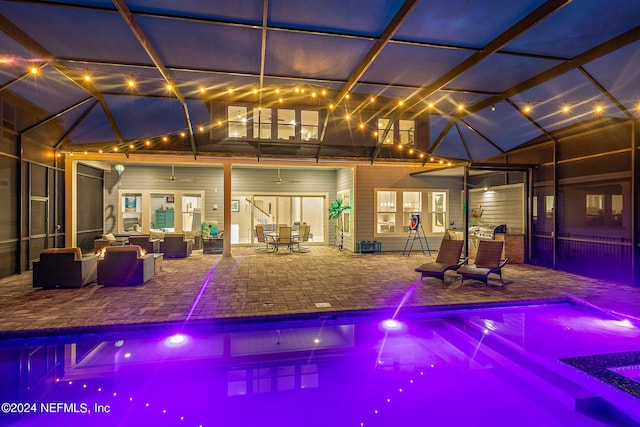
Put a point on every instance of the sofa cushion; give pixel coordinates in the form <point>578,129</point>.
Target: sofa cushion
<point>109,236</point>
<point>76,251</point>
<point>123,248</point>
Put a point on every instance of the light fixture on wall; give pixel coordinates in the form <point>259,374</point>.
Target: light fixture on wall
<point>119,168</point>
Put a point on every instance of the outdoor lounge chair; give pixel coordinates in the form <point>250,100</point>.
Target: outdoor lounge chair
<point>145,242</point>
<point>488,261</point>
<point>176,245</point>
<point>448,259</point>
<point>125,266</point>
<point>64,268</point>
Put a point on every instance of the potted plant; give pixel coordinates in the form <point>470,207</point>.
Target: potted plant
<point>335,212</point>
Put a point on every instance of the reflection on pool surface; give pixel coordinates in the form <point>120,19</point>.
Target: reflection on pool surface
<point>487,367</point>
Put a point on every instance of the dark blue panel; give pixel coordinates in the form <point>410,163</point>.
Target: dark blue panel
<point>146,117</point>
<point>412,65</point>
<point>232,10</point>
<point>619,73</point>
<point>573,89</point>
<point>202,45</point>
<point>77,33</point>
<point>14,59</point>
<point>490,73</point>
<point>504,126</point>
<point>463,22</point>
<point>365,17</point>
<point>313,56</point>
<point>93,128</point>
<point>50,90</point>
<point>577,27</point>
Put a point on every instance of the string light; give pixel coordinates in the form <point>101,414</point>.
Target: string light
<point>131,83</point>
<point>35,70</point>
<point>169,87</point>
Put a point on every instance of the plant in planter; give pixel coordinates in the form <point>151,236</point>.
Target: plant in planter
<point>335,212</point>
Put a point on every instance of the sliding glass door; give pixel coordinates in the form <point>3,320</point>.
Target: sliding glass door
<point>271,210</point>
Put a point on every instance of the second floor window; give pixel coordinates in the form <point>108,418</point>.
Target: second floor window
<point>309,125</point>
<point>237,121</point>
<point>286,124</point>
<point>262,123</point>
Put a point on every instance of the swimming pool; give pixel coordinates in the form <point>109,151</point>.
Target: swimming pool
<point>491,366</point>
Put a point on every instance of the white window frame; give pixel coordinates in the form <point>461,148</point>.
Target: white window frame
<point>345,196</point>
<point>397,211</point>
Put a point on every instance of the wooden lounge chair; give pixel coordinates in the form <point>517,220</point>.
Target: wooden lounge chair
<point>448,259</point>
<point>488,261</point>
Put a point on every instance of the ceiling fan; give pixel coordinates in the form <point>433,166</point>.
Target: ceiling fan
<point>281,180</point>
<point>172,177</point>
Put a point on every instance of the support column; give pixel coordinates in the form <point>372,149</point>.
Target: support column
<point>635,222</point>
<point>554,232</point>
<point>70,202</point>
<point>226,243</point>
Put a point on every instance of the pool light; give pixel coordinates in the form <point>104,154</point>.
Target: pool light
<point>391,325</point>
<point>176,340</point>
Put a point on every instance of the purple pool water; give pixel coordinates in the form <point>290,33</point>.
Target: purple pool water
<point>487,367</point>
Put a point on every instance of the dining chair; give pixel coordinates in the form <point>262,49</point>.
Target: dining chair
<point>305,230</point>
<point>262,238</point>
<point>285,239</point>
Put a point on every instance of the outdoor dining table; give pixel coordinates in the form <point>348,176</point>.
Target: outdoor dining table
<point>275,236</point>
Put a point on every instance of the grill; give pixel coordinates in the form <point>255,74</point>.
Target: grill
<point>488,231</point>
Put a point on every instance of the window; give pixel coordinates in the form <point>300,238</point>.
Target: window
<point>309,125</point>
<point>382,126</point>
<point>191,212</point>
<point>386,212</point>
<point>407,130</point>
<point>431,205</point>
<point>345,196</point>
<point>286,124</point>
<point>616,210</point>
<point>411,205</point>
<point>595,209</point>
<point>437,214</point>
<point>262,123</point>
<point>131,212</point>
<point>237,121</point>
<point>548,206</point>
